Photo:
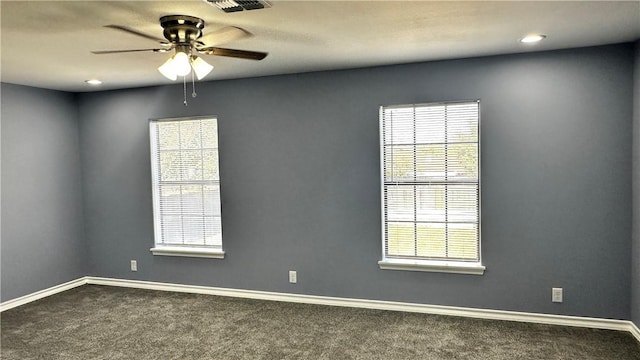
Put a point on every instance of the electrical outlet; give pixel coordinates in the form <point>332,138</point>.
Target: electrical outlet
<point>134,265</point>
<point>556,295</point>
<point>293,276</point>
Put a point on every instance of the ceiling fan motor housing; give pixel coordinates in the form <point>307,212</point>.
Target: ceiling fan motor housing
<point>182,29</point>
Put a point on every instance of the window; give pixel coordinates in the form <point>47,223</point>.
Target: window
<point>431,187</point>
<point>186,187</point>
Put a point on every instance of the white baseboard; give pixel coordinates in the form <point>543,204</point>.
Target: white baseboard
<point>10,304</point>
<point>597,323</point>
<point>577,321</point>
<point>634,330</point>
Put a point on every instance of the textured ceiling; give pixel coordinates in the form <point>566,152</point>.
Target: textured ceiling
<point>47,43</point>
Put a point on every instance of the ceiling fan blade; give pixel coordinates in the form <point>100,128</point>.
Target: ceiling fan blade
<point>102,52</point>
<point>136,32</point>
<point>242,54</point>
<point>224,35</point>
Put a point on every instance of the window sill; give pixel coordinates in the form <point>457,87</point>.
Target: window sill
<point>432,266</point>
<point>188,252</point>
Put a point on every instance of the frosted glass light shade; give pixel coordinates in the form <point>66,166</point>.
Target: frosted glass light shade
<point>167,69</point>
<point>201,67</point>
<point>181,63</point>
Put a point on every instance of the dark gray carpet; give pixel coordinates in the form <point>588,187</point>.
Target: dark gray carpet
<point>96,322</point>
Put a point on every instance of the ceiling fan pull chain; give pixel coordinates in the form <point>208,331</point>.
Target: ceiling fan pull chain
<point>184,83</point>
<point>193,85</point>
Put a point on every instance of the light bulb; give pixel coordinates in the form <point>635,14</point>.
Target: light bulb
<point>181,63</point>
<point>201,67</point>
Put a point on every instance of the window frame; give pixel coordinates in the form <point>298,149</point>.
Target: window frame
<point>419,264</point>
<point>201,251</point>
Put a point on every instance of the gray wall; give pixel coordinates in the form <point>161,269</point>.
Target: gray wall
<point>635,253</point>
<point>42,225</point>
<point>301,190</point>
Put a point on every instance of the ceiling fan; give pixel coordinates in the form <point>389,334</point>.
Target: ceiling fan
<point>183,34</point>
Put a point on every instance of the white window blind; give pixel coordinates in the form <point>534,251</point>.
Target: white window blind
<point>186,185</point>
<point>431,187</point>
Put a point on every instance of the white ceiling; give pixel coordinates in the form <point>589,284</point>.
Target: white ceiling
<point>47,43</point>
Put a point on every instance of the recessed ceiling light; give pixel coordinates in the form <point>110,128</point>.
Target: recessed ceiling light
<point>93,82</point>
<point>533,38</point>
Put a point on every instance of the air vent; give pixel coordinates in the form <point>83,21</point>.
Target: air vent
<point>229,6</point>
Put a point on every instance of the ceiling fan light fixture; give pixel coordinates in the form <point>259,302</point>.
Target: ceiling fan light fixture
<point>200,67</point>
<point>177,65</point>
<point>181,65</point>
